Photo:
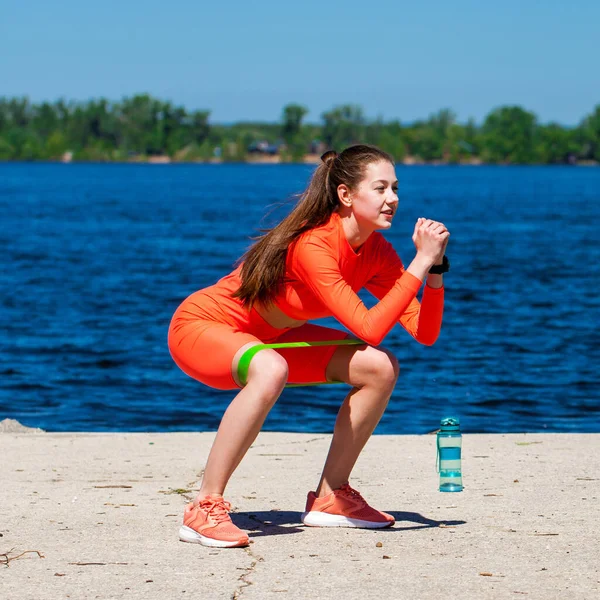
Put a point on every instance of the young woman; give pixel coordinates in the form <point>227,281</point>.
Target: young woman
<point>309,266</point>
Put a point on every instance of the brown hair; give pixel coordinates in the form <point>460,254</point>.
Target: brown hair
<point>263,271</point>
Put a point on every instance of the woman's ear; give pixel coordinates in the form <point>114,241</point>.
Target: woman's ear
<point>344,194</point>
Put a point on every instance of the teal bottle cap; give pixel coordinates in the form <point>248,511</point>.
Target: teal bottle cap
<point>450,423</point>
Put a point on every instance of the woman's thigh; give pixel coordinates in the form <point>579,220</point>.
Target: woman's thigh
<point>309,364</point>
<point>206,350</point>
<point>362,365</point>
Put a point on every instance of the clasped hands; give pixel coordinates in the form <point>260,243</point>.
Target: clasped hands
<point>430,239</point>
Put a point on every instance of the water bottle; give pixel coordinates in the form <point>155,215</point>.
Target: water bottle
<point>449,442</point>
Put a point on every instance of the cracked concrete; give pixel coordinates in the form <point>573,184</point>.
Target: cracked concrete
<point>103,512</point>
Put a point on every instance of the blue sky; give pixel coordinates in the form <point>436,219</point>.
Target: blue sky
<point>246,60</point>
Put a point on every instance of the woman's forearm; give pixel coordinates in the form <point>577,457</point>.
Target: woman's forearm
<point>420,266</point>
<point>435,281</point>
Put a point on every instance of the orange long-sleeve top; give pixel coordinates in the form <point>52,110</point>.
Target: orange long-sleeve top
<point>324,274</point>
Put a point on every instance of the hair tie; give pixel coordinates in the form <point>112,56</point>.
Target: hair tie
<point>328,157</point>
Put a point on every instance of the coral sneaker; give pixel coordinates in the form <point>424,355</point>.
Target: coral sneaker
<point>209,524</point>
<point>343,507</point>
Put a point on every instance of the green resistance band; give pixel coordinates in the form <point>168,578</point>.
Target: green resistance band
<point>246,358</point>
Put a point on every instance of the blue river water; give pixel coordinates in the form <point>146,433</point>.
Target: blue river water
<point>96,257</point>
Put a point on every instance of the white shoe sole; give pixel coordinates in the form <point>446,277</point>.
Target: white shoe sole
<point>187,534</point>
<point>320,519</point>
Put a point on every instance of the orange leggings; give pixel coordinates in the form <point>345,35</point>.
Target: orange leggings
<point>203,344</point>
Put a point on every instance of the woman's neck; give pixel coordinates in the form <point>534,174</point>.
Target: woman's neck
<point>354,234</point>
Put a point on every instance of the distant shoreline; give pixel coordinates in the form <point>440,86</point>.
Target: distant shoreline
<point>308,159</point>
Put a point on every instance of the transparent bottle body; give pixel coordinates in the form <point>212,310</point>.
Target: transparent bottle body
<point>449,448</point>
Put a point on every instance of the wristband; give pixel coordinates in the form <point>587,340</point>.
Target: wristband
<point>439,269</point>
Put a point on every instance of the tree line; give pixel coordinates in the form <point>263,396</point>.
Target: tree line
<point>142,127</point>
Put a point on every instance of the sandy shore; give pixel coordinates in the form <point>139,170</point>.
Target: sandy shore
<point>96,516</point>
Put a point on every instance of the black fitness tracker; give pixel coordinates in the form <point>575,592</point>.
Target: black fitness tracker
<point>443,268</point>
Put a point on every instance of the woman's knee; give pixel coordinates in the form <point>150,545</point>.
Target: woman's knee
<point>380,366</point>
<point>269,372</point>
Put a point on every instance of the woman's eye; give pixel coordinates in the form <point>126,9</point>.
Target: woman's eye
<point>380,189</point>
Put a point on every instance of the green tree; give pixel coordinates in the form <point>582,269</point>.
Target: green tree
<point>7,152</point>
<point>45,119</point>
<point>454,147</point>
<point>342,126</point>
<point>389,137</point>
<point>92,124</point>
<point>508,136</point>
<point>471,141</point>
<point>442,127</point>
<point>31,147</point>
<point>200,128</point>
<point>555,144</point>
<point>20,113</point>
<point>56,145</point>
<point>590,135</point>
<point>292,121</point>
<point>4,114</point>
<point>291,130</point>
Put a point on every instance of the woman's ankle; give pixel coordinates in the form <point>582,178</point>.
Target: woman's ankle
<point>324,489</point>
<point>203,495</point>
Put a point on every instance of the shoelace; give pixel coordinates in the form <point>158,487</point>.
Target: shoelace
<point>352,493</point>
<point>218,509</point>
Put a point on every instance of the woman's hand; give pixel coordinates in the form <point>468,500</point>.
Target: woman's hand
<point>430,239</point>
<point>440,260</point>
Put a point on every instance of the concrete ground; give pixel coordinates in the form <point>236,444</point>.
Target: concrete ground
<point>88,516</point>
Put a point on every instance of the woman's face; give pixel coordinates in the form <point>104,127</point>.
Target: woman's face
<point>375,201</point>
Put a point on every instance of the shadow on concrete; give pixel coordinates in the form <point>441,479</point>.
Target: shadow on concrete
<point>421,521</point>
<point>269,522</point>
<point>281,522</point>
